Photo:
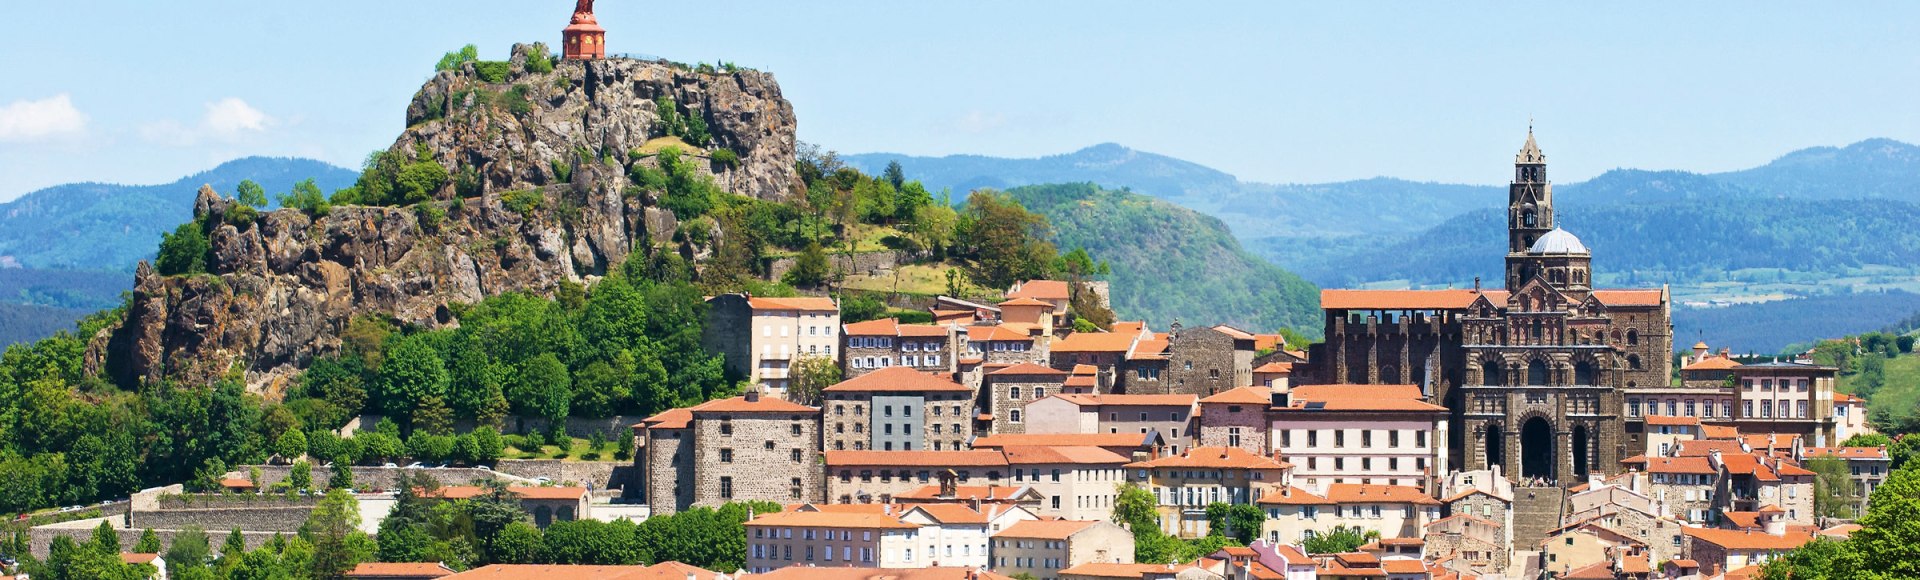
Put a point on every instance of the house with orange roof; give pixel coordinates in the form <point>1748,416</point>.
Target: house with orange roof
<point>877,476</point>
<point>1274,375</point>
<point>1736,549</point>
<point>1683,487</point>
<point>661,571</point>
<point>1208,360</point>
<point>979,496</point>
<point>1054,292</point>
<point>1487,495</point>
<point>1079,483</point>
<point>885,342</point>
<point>1869,466</point>
<point>896,408</point>
<point>1116,571</point>
<point>1009,389</point>
<point>1290,560</point>
<point>1104,350</point>
<point>1172,416</point>
<point>1755,482</point>
<point>837,573</point>
<point>959,535</point>
<point>1184,484</point>
<point>1370,434</point>
<point>1468,542</point>
<point>547,504</point>
<point>1044,548</point>
<point>399,571</point>
<point>761,338</point>
<point>749,447</point>
<point>1295,514</point>
<point>834,539</point>
<point>1237,418</point>
<point>1031,312</point>
<point>1849,417</point>
<point>1581,545</point>
<point>1665,432</point>
<point>1003,344</point>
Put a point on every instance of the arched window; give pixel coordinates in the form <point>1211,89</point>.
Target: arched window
<point>1493,374</point>
<point>1583,373</point>
<point>1633,361</point>
<point>1537,373</point>
<point>1528,218</point>
<point>1633,337</point>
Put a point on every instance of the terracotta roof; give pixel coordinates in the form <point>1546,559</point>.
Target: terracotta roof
<point>1241,396</point>
<point>1110,570</point>
<point>1128,326</point>
<point>766,404</point>
<point>1696,465</point>
<point>1025,301</point>
<point>1746,540</point>
<point>963,492</point>
<point>917,458</point>
<point>849,573</point>
<point>1746,464</point>
<point>924,330</point>
<point>1357,398</point>
<point>1404,299</point>
<point>1402,566</point>
<point>1685,563</point>
<point>1041,289</point>
<point>1719,432</point>
<point>138,558</point>
<point>1759,441</point>
<point>832,520</point>
<point>1840,531</point>
<point>1359,493</point>
<point>897,379</point>
<point>1275,367</point>
<point>1027,368</point>
<point>808,303</point>
<point>1628,297</point>
<point>1292,496</point>
<point>1094,342</point>
<point>1046,530</point>
<point>472,491</point>
<point>236,482</point>
<point>995,333</point>
<point>1846,398</point>
<point>669,419</point>
<point>1236,333</point>
<point>373,570</point>
<point>875,327</point>
<point>1742,520</point>
<point>1705,447</point>
<point>1848,452</point>
<point>1463,517</point>
<point>951,513</point>
<point>1473,491</point>
<point>1040,455</point>
<point>661,571</point>
<point>1292,555</point>
<point>1131,400</point>
<point>1712,363</point>
<point>1214,457</point>
<point>1148,349</point>
<point>1061,439</point>
<point>1672,420</point>
<point>1601,570</point>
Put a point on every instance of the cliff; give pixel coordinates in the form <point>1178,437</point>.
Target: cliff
<point>282,285</point>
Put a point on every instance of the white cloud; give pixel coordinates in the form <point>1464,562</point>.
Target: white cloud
<point>229,119</point>
<point>49,118</point>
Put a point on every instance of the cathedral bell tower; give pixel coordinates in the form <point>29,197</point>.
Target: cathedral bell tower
<point>1529,209</point>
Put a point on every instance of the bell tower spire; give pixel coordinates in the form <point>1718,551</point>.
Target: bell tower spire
<point>1529,205</point>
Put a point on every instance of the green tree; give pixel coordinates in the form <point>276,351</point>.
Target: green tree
<point>342,477</point>
<point>330,527</point>
<point>410,373</point>
<point>1834,494</point>
<point>1867,440</point>
<point>189,550</point>
<point>1240,522</point>
<point>1339,539</point>
<point>811,375</point>
<point>549,389</point>
<point>291,445</point>
<point>894,174</point>
<point>234,546</point>
<point>105,539</point>
<point>1005,242</point>
<point>487,445</point>
<point>250,193</point>
<point>433,417</point>
<point>149,542</point>
<point>1819,559</point>
<point>184,251</point>
<point>301,475</point>
<point>861,308</point>
<point>518,543</point>
<point>453,59</point>
<point>1134,508</point>
<point>810,268</point>
<point>306,196</point>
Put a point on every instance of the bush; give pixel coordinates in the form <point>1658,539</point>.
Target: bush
<point>515,100</point>
<point>523,201</point>
<point>726,157</point>
<point>493,71</point>
<point>539,62</point>
<point>306,197</point>
<point>453,60</point>
<point>184,251</point>
<point>430,215</point>
<point>562,171</point>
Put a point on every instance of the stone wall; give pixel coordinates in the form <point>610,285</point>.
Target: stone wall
<point>613,428</point>
<point>602,476</point>
<point>764,465</point>
<point>226,517</point>
<point>862,263</point>
<point>42,537</point>
<point>384,478</point>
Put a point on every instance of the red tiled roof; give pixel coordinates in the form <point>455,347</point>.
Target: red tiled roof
<point>1094,342</point>
<point>1214,457</point>
<point>1241,396</point>
<point>951,513</point>
<point>962,492</point>
<point>374,570</point>
<point>1402,566</point>
<point>1148,349</point>
<point>875,327</point>
<point>1719,432</point>
<point>1111,570</point>
<point>1747,540</point>
<point>236,483</point>
<point>894,379</point>
<point>138,558</point>
<point>1358,398</point>
<point>661,571</point>
<point>1025,301</point>
<point>1705,447</point>
<point>1236,333</point>
<point>1292,496</point>
<point>1672,420</point>
<point>833,520</point>
<point>1131,400</point>
<point>1041,455</point>
<point>1359,493</point>
<point>808,303</point>
<point>849,573</point>
<point>1275,367</point>
<point>1405,299</point>
<point>1027,368</point>
<point>996,333</point>
<point>1696,465</point>
<point>1712,363</point>
<point>1060,439</point>
<point>924,330</point>
<point>1848,452</point>
<point>766,404</point>
<point>1628,297</point>
<point>1042,290</point>
<point>1846,398</point>
<point>917,458</point>
<point>1046,530</point>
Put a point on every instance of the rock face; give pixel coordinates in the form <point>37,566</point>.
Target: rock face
<point>281,286</point>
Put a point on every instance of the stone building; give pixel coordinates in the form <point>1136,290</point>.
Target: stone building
<point>546,504</point>
<point>1169,415</point>
<point>1008,390</point>
<point>760,338</point>
<point>878,476</point>
<point>1106,351</point>
<point>1237,418</point>
<point>896,408</point>
<point>1043,548</point>
<point>744,448</point>
<point>1869,466</point>
<point>1204,361</point>
<point>1532,373</point>
<point>877,344</point>
<point>1000,344</point>
<point>1183,485</point>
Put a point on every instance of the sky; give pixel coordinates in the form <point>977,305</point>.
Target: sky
<point>148,92</point>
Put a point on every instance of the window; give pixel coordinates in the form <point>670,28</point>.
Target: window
<point>1014,415</point>
<point>794,487</point>
<point>726,456</point>
<point>1366,438</point>
<point>1313,438</point>
<point>1633,407</point>
<point>1339,438</point>
<point>726,488</point>
<point>794,455</point>
<point>1393,438</point>
<point>1803,410</point>
<point>794,430</point>
<point>1013,393</point>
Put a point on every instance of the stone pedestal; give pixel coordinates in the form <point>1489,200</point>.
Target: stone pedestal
<point>584,39</point>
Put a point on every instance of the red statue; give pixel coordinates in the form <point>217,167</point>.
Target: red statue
<point>584,39</point>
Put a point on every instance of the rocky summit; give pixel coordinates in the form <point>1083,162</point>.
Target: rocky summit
<point>537,152</point>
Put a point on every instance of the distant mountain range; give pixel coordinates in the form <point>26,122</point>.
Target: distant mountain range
<point>99,226</point>
<point>1833,222</point>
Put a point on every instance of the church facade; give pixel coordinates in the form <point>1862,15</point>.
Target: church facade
<point>1533,374</point>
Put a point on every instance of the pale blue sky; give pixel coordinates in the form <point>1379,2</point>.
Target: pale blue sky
<point>150,91</point>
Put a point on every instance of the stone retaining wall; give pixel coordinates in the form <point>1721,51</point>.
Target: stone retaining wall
<point>42,537</point>
<point>385,478</point>
<point>255,519</point>
<point>600,475</point>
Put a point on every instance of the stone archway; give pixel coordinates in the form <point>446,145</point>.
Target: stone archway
<point>1536,448</point>
<point>1496,446</point>
<point>1581,458</point>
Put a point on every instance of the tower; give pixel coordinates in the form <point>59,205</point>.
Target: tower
<point>583,38</point>
<point>1529,209</point>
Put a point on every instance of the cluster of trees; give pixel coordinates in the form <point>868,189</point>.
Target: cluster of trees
<point>1134,509</point>
<point>1886,546</point>
<point>328,545</point>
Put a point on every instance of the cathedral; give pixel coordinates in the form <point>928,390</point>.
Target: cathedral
<point>1532,374</point>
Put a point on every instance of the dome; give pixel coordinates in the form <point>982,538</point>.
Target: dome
<point>1558,241</point>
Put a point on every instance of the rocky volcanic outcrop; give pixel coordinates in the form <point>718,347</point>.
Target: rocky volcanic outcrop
<point>283,285</point>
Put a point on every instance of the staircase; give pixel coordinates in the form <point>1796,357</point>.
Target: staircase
<point>1536,510</point>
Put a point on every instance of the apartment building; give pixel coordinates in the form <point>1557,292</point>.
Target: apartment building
<point>1078,483</point>
<point>1395,511</point>
<point>1169,415</point>
<point>762,337</point>
<point>885,343</point>
<point>1368,434</point>
<point>1043,548</point>
<point>1184,484</point>
<point>897,408</point>
<point>743,448</point>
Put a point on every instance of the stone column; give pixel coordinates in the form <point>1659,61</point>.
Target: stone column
<point>1563,472</point>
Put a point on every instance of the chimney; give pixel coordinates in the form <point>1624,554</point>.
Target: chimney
<point>753,395</point>
<point>1476,284</point>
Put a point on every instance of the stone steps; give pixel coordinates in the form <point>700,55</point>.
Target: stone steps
<point>1536,510</point>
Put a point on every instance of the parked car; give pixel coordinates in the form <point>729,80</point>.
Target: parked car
<point>389,464</point>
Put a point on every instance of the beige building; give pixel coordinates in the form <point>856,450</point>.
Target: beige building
<point>1079,483</point>
<point>826,539</point>
<point>1665,432</point>
<point>1237,418</point>
<point>1736,549</point>
<point>878,476</point>
<point>1008,390</point>
<point>762,337</point>
<point>744,448</point>
<point>1183,485</point>
<point>1295,514</point>
<point>1868,465</point>
<point>1169,415</point>
<point>897,408</point>
<point>1044,548</point>
<point>1368,434</point>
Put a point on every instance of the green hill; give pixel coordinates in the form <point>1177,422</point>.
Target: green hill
<point>1171,262</point>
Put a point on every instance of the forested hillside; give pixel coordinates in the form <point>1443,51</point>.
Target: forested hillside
<point>1173,263</point>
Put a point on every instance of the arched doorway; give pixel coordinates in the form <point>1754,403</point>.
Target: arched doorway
<point>1580,457</point>
<point>1537,373</point>
<point>1536,448</point>
<point>1583,373</point>
<point>1496,446</point>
